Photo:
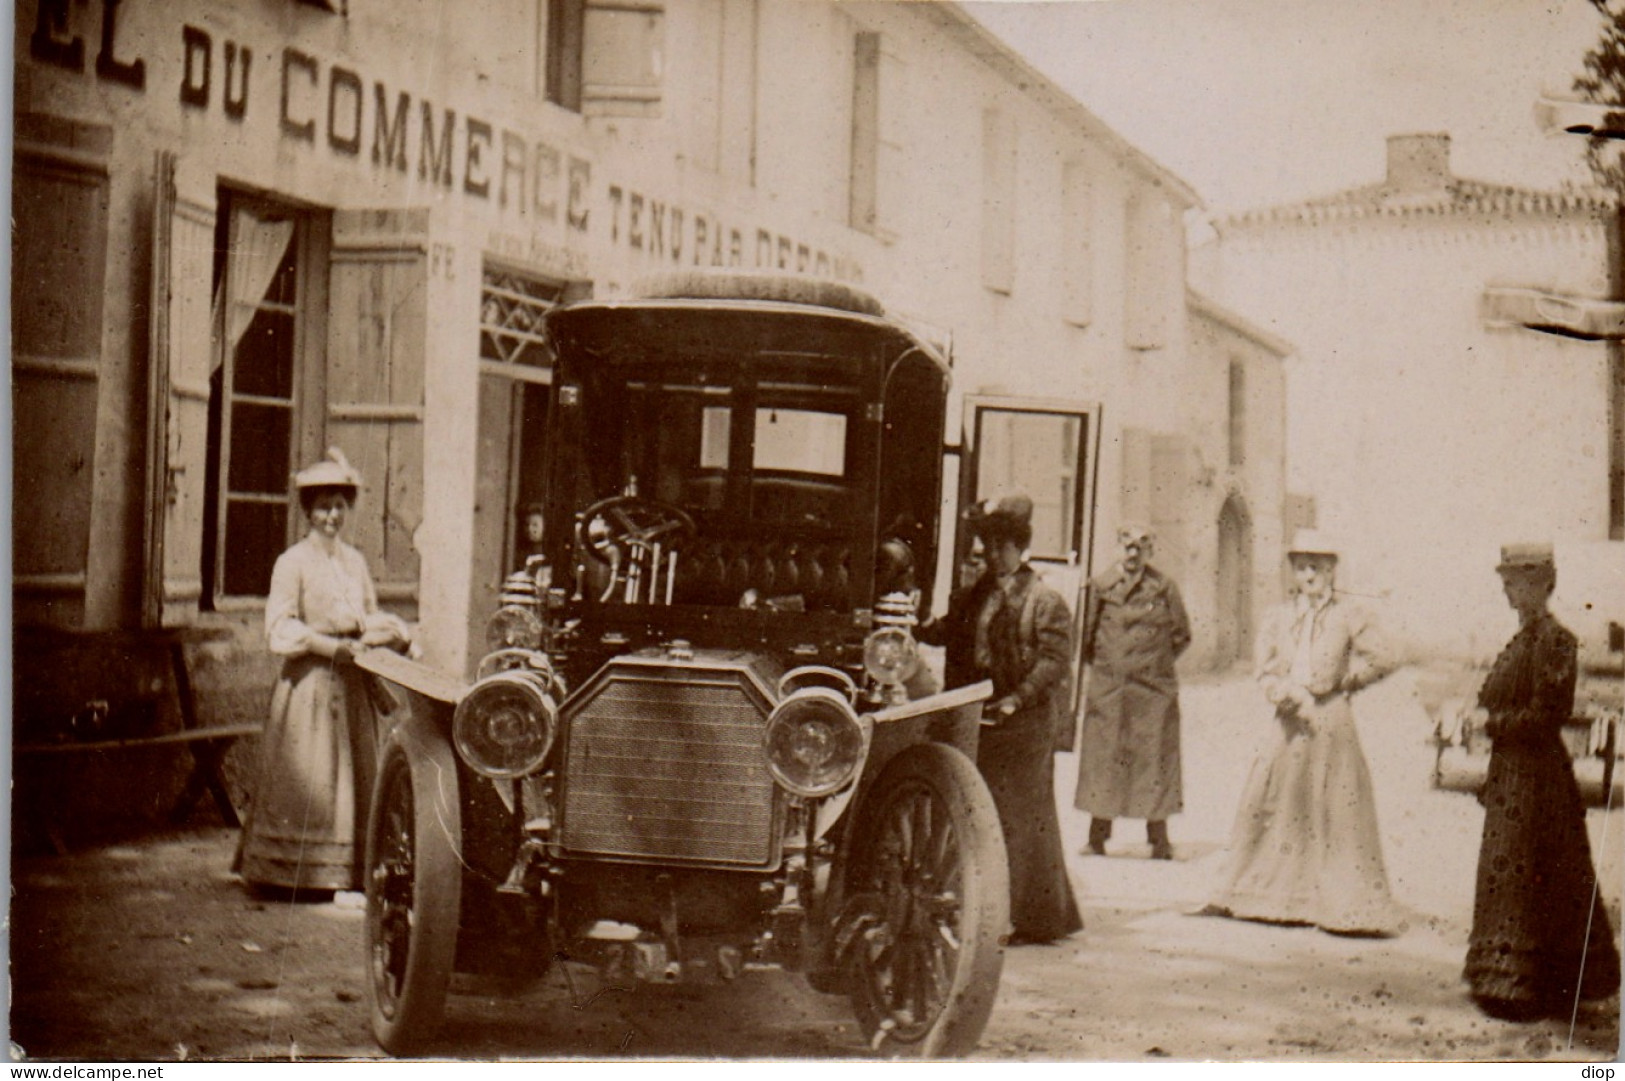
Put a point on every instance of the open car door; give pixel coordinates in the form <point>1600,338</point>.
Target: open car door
<point>1048,448</point>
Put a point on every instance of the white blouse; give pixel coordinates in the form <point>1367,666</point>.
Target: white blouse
<point>317,589</point>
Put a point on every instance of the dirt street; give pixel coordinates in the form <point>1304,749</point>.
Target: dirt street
<point>153,951</point>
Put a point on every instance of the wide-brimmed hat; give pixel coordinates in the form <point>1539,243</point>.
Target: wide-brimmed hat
<point>333,471</point>
<point>1526,556</point>
<point>1312,542</point>
<point>1006,514</point>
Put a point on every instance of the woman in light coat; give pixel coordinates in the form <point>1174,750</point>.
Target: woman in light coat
<point>1305,847</point>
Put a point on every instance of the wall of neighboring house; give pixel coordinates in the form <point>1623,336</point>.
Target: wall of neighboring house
<point>1227,518</point>
<point>1427,434</point>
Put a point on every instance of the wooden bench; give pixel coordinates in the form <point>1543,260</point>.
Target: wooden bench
<point>208,744</point>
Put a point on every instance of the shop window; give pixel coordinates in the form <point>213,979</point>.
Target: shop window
<point>998,202</point>
<point>262,294</point>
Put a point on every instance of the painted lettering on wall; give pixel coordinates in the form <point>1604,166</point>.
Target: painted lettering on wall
<point>54,42</point>
<point>335,109</point>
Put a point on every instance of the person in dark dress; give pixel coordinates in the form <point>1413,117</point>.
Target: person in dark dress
<point>955,630</point>
<point>1023,642</point>
<point>1541,940</point>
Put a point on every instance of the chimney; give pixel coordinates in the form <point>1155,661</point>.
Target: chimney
<point>1418,162</point>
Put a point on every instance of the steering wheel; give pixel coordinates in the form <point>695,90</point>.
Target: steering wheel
<point>622,532</point>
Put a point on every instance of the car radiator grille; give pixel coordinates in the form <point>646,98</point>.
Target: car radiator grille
<point>669,769</point>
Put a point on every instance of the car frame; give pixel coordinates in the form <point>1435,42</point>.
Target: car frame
<point>703,739</point>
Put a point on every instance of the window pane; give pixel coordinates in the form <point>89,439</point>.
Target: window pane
<point>284,284</point>
<point>801,441</point>
<point>714,437</point>
<point>260,437</point>
<point>255,536</point>
<point>1034,453</point>
<point>264,360</point>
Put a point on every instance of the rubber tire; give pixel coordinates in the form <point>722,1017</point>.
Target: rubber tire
<point>948,779</point>
<point>421,774</point>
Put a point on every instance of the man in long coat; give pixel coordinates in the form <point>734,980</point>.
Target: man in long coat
<point>1135,628</point>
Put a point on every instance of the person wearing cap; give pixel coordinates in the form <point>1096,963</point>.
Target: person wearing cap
<point>1023,643</point>
<point>305,828</point>
<point>1305,847</point>
<point>1135,628</point>
<point>1541,940</point>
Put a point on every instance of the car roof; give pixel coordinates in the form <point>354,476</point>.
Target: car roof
<point>657,306</point>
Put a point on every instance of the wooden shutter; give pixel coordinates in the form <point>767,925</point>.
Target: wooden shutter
<point>622,57</point>
<point>377,335</point>
<point>893,191</point>
<point>998,201</point>
<point>1155,274</point>
<point>182,354</point>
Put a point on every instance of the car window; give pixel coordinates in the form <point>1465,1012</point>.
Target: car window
<point>787,440</point>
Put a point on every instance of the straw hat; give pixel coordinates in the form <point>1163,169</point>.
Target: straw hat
<point>333,471</point>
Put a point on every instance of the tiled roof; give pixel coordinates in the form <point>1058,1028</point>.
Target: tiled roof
<point>1455,197</point>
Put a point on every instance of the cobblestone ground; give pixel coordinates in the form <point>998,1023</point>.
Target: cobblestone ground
<point>153,951</point>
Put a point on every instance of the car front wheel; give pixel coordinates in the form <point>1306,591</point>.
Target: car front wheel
<point>928,899</point>
<point>414,886</point>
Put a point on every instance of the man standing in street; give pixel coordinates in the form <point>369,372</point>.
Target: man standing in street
<point>1135,628</point>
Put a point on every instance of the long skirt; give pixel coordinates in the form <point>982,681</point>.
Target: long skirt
<point>1015,760</point>
<point>1305,847</point>
<point>307,820</point>
<point>1540,930</point>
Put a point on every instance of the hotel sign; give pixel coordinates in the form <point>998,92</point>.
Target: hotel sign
<point>543,192</point>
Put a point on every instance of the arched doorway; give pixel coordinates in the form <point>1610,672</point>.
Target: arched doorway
<point>1233,600</point>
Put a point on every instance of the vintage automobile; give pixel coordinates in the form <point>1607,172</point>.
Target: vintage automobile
<point>700,741</point>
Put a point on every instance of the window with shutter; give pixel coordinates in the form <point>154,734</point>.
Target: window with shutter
<point>622,57</point>
<point>182,354</point>
<point>1238,412</point>
<point>998,202</point>
<point>59,248</point>
<point>1077,239</point>
<point>1155,272</point>
<point>376,356</point>
<point>266,371</point>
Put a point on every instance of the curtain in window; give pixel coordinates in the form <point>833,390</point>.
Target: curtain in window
<point>258,247</point>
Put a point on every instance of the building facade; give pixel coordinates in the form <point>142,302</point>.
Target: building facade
<point>1451,392</point>
<point>250,231</point>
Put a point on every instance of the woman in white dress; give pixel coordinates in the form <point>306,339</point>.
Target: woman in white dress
<point>305,828</point>
<point>1305,848</point>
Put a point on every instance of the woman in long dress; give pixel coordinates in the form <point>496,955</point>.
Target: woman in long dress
<point>1305,847</point>
<point>1541,937</point>
<point>305,828</point>
<point>1023,641</point>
